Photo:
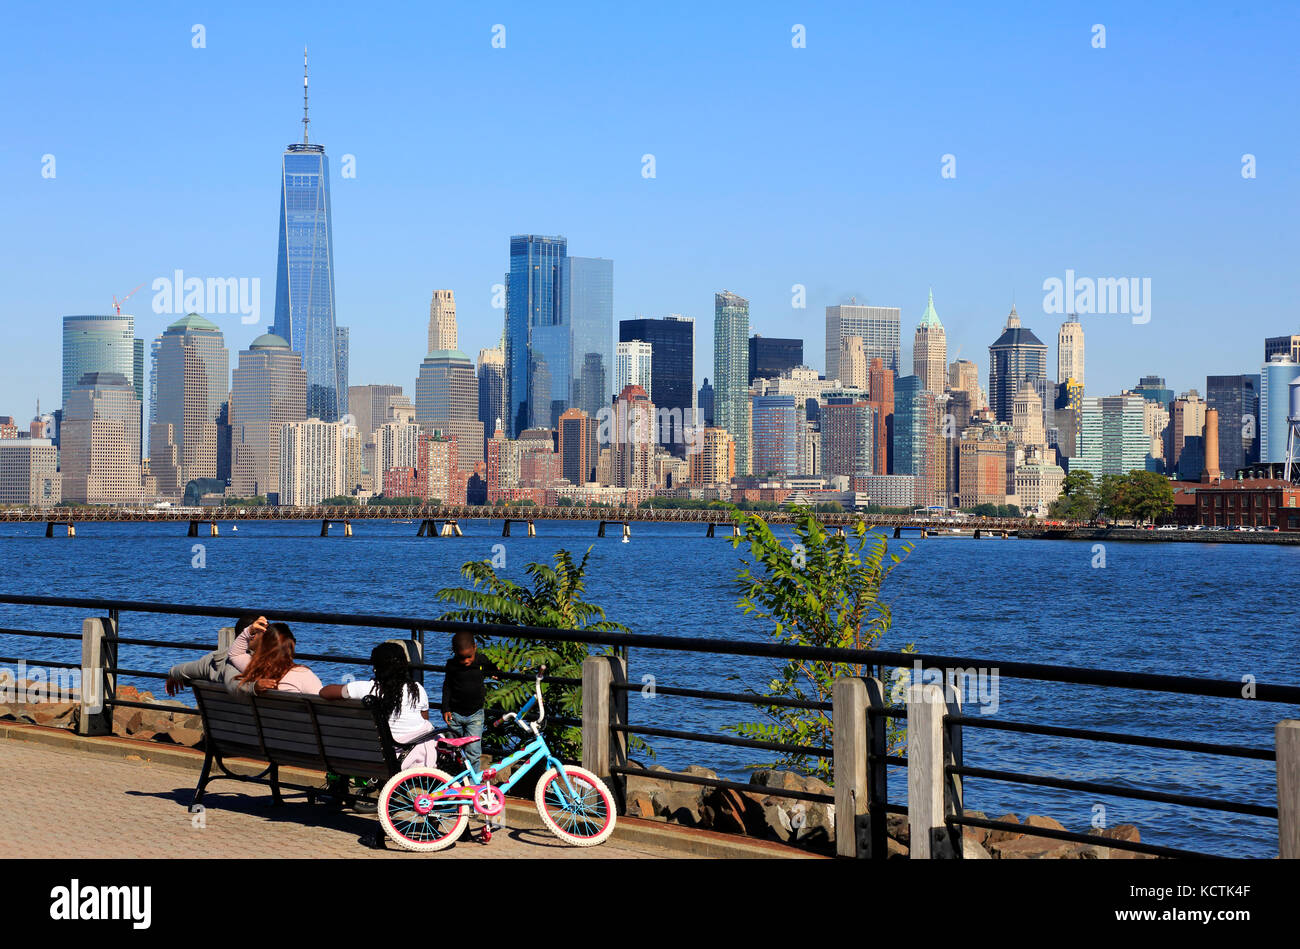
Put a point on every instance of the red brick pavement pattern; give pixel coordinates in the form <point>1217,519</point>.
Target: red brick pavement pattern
<point>56,803</point>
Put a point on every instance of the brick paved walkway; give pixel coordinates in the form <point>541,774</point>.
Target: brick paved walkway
<point>56,803</point>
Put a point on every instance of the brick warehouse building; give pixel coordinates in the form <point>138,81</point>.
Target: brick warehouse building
<point>1249,502</point>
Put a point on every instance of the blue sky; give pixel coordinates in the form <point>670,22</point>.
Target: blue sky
<point>775,166</point>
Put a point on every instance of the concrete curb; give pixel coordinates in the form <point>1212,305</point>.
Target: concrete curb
<point>522,814</point>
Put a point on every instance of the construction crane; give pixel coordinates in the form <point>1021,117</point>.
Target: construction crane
<point>117,304</point>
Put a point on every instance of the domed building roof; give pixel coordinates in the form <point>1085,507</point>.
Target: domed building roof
<point>269,341</point>
<point>192,321</point>
<point>448,354</point>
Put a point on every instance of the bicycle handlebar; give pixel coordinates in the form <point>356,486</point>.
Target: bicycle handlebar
<point>537,697</point>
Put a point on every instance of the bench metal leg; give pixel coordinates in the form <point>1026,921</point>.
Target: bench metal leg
<point>276,799</point>
<point>204,778</point>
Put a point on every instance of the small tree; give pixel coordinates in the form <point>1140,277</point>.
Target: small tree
<point>1148,495</point>
<point>555,602</point>
<point>1079,500</point>
<point>822,591</point>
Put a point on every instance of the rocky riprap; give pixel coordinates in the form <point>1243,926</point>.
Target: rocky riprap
<point>145,724</point>
<point>761,814</point>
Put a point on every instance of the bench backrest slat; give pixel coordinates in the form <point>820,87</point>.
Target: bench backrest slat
<point>285,728</point>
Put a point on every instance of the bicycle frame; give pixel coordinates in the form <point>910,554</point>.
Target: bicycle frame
<point>537,749</point>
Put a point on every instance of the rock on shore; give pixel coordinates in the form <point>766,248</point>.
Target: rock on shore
<point>178,728</point>
<point>756,812</point>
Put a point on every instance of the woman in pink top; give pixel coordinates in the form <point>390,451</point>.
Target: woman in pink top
<point>271,667</point>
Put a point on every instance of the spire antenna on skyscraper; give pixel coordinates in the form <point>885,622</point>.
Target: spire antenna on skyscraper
<point>305,120</point>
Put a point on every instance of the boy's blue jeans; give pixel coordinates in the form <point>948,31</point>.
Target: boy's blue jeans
<point>462,725</point>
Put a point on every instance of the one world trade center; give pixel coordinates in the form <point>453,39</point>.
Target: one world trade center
<point>304,279</point>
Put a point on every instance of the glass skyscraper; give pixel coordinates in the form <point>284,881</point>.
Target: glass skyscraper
<point>102,344</point>
<point>559,333</point>
<point>588,309</point>
<point>533,300</point>
<point>731,370</point>
<point>304,278</point>
<point>1274,406</point>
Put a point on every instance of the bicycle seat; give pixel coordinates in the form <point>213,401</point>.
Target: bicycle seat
<point>457,742</point>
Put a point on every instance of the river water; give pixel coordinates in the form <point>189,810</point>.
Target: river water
<point>1219,611</point>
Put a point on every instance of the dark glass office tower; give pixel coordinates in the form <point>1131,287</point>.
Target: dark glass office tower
<point>769,356</point>
<point>1237,399</point>
<point>304,278</point>
<point>1016,358</point>
<point>705,399</point>
<point>672,372</point>
<point>1153,389</point>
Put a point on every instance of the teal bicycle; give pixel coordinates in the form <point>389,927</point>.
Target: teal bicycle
<point>426,809</point>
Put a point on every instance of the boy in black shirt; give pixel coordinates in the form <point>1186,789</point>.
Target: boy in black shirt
<point>463,692</point>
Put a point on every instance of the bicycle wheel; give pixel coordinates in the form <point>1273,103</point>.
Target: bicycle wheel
<point>583,819</point>
<point>412,815</point>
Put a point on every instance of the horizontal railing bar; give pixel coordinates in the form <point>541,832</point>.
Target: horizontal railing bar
<point>343,660</point>
<point>1030,830</point>
<point>724,784</point>
<point>1183,685</point>
<point>39,633</point>
<point>1146,741</point>
<point>139,673</point>
<point>178,709</point>
<point>746,698</point>
<point>888,759</point>
<point>40,663</point>
<point>1114,790</point>
<point>163,643</point>
<point>645,730</point>
<point>889,711</point>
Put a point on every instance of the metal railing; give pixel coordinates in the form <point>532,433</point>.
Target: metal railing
<point>934,761</point>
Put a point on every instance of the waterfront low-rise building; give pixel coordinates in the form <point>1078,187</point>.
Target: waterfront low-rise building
<point>1249,502</point>
<point>29,473</point>
<point>897,490</point>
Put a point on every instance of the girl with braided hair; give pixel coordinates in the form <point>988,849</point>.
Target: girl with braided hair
<point>401,699</point>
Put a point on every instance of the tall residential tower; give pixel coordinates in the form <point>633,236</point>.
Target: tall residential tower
<point>730,371</point>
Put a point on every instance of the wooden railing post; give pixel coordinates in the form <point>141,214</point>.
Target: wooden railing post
<point>849,744</point>
<point>97,684</point>
<point>225,637</point>
<point>925,773</point>
<point>1287,741</point>
<point>603,707</point>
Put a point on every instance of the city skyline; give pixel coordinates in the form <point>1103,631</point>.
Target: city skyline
<point>383,290</point>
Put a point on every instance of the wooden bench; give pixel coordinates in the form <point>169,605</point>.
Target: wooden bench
<point>344,737</point>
